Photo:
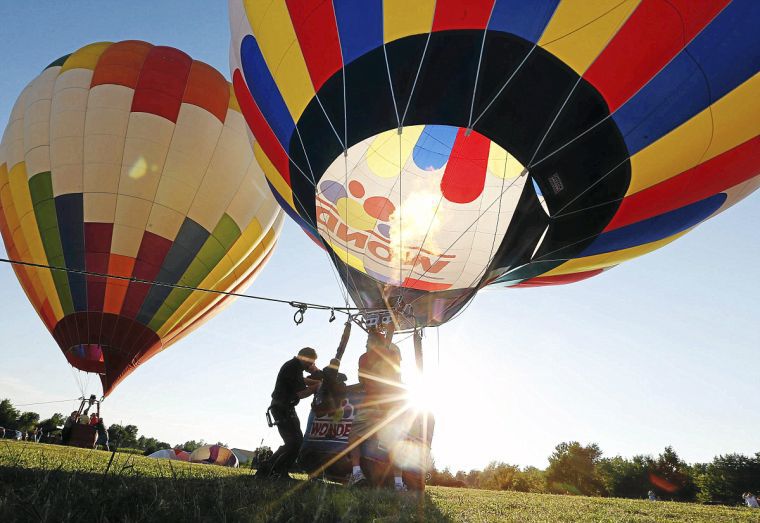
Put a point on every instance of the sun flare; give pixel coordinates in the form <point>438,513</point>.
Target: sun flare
<point>421,392</point>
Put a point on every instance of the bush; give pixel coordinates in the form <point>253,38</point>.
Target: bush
<point>127,450</point>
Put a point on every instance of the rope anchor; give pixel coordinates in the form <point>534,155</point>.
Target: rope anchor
<point>298,316</point>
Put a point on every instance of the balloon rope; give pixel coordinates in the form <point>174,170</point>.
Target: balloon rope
<point>45,402</point>
<point>477,71</point>
<point>438,342</point>
<point>313,223</point>
<point>292,303</point>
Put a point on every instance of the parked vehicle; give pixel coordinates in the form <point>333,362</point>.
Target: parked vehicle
<point>14,434</point>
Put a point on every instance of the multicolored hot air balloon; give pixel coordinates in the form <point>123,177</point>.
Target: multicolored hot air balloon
<point>130,160</point>
<point>172,454</point>
<point>435,147</point>
<point>214,455</point>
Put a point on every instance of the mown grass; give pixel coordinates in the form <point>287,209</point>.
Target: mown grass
<point>52,483</point>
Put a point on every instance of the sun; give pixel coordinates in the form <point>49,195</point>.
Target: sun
<point>420,392</point>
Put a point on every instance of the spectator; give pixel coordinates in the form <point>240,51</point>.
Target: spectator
<point>102,440</point>
<point>750,500</point>
<point>66,431</point>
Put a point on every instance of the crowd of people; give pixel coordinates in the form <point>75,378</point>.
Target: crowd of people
<point>35,434</point>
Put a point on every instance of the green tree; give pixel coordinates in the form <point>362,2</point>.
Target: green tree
<point>8,414</point>
<point>624,478</point>
<point>573,469</point>
<point>461,478</point>
<point>27,421</point>
<point>473,478</point>
<point>52,423</point>
<point>727,477</point>
<point>531,479</point>
<point>261,455</point>
<point>672,478</point>
<point>499,476</point>
<point>123,436</point>
<point>130,436</point>
<point>442,478</point>
<point>191,445</point>
<point>151,445</point>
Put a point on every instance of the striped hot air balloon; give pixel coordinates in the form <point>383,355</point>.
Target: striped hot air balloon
<point>435,147</point>
<point>131,160</point>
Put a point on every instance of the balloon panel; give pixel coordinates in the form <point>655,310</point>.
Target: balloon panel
<point>132,160</point>
<point>629,146</point>
<point>173,454</point>
<point>214,455</point>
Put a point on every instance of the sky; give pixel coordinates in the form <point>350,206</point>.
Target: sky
<point>662,350</point>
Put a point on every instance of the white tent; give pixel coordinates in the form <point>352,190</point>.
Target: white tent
<point>244,456</point>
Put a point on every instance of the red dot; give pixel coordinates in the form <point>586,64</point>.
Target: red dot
<point>356,189</point>
<point>379,207</point>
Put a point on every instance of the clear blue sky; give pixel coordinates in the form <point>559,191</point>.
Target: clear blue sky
<point>660,351</point>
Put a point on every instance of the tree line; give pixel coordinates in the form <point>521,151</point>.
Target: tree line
<point>125,437</point>
<point>583,470</point>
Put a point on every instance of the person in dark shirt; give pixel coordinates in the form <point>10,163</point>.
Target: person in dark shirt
<point>102,441</point>
<point>289,389</point>
<point>66,432</point>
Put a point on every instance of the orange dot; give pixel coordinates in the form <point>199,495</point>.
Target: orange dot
<point>379,207</point>
<point>356,189</point>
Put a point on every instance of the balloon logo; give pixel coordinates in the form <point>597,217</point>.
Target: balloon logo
<point>405,243</point>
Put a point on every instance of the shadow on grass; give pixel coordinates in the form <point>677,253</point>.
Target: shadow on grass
<point>57,495</point>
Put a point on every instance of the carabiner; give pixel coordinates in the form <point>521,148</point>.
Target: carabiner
<point>298,316</point>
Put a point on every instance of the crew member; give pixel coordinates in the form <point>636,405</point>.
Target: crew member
<point>289,389</point>
<point>379,373</point>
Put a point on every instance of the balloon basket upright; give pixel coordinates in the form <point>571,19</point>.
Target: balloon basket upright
<point>85,435</point>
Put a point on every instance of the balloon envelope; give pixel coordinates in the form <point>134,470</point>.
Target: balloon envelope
<point>131,160</point>
<point>214,455</point>
<point>437,147</point>
<point>173,454</point>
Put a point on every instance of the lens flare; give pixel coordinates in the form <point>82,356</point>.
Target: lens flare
<point>138,169</point>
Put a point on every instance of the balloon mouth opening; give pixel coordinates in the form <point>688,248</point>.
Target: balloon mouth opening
<point>425,207</point>
<point>88,352</point>
<point>87,357</point>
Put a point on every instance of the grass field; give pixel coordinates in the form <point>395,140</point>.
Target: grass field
<point>52,483</point>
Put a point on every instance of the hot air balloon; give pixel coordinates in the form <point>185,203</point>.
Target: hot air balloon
<point>214,455</point>
<point>130,160</point>
<point>438,147</point>
<point>172,454</point>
